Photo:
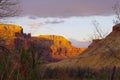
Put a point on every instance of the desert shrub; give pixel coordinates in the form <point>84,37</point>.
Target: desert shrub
<point>18,65</point>
<point>79,74</point>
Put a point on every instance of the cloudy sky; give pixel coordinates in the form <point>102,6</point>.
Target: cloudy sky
<point>70,18</point>
<point>67,8</point>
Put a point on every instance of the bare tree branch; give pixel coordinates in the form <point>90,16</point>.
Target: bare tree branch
<point>116,9</point>
<point>99,35</point>
<point>98,32</point>
<point>9,8</point>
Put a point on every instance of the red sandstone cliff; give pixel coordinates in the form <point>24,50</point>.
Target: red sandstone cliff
<point>52,47</point>
<point>61,47</point>
<point>7,33</point>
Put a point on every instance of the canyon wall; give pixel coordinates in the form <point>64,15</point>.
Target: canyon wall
<point>52,47</point>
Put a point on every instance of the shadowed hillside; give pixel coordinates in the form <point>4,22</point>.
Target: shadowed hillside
<point>102,55</point>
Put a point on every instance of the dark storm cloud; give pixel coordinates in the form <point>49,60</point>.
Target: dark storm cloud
<point>67,8</point>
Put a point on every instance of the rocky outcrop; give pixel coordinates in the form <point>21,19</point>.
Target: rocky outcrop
<point>116,27</point>
<point>61,47</point>
<point>52,47</point>
<point>10,28</point>
<point>7,33</point>
<point>13,36</point>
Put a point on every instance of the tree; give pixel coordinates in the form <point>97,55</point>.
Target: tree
<point>9,8</point>
<point>116,9</point>
<point>98,32</point>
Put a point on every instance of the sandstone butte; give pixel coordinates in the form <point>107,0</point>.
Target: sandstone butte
<point>61,47</point>
<point>53,47</point>
<point>7,32</point>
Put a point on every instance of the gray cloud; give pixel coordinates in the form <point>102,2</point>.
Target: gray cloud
<point>32,17</point>
<point>35,25</point>
<point>54,22</point>
<point>37,20</point>
<point>67,8</point>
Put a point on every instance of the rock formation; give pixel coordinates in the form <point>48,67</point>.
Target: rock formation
<point>7,33</point>
<point>10,28</point>
<point>52,47</point>
<point>61,47</point>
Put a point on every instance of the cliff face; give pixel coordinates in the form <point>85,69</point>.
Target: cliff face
<point>10,27</point>
<point>52,47</point>
<point>7,33</point>
<point>61,48</point>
